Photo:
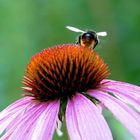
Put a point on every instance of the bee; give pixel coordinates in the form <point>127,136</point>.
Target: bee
<point>88,39</point>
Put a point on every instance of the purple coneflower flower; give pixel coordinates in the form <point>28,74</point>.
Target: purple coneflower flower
<point>68,83</point>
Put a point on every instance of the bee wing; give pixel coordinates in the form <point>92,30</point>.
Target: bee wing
<point>74,29</point>
<point>102,33</point>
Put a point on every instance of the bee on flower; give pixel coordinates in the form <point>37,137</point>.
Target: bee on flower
<point>88,39</point>
<point>69,83</point>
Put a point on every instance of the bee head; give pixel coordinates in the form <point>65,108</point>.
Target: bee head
<point>88,39</point>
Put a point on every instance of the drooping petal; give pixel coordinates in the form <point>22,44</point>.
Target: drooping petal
<point>21,128</point>
<point>46,123</point>
<point>126,87</point>
<point>84,120</point>
<point>124,96</point>
<point>13,112</point>
<point>30,123</point>
<point>126,92</point>
<point>14,106</point>
<point>126,115</point>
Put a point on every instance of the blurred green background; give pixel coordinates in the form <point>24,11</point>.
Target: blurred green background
<point>28,26</point>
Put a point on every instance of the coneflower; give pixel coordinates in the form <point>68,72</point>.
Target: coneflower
<point>68,83</point>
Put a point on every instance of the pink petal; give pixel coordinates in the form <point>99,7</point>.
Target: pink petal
<point>29,123</point>
<point>124,96</point>
<point>16,105</point>
<point>129,88</point>
<point>21,128</point>
<point>84,120</point>
<point>46,123</point>
<point>12,113</point>
<point>125,92</point>
<point>127,116</point>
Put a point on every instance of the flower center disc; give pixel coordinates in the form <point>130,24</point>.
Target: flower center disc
<point>60,72</point>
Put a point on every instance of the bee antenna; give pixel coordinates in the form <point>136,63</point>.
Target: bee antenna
<point>74,29</point>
